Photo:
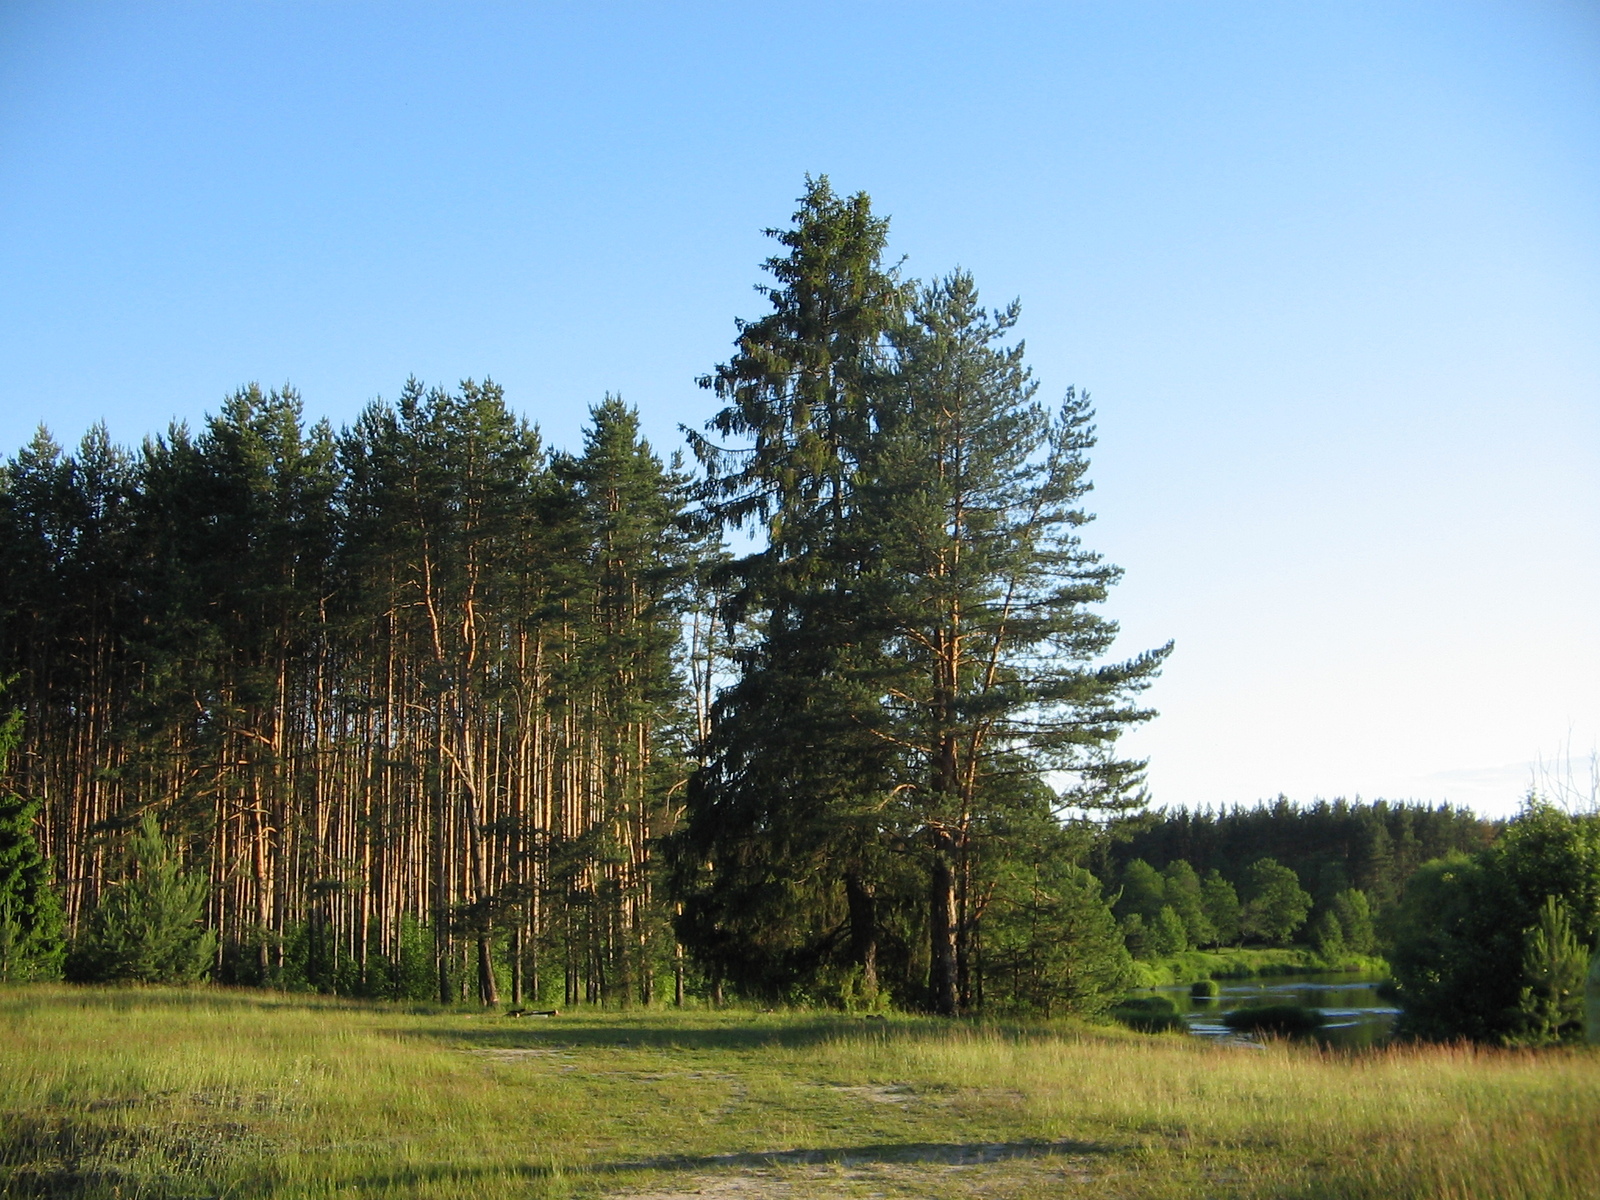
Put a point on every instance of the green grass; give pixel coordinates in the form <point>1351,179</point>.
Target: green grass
<point>1252,963</point>
<point>208,1093</point>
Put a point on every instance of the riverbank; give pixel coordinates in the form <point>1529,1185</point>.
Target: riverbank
<point>189,1094</point>
<point>1250,963</point>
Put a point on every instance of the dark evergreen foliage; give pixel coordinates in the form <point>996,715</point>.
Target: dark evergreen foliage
<point>924,643</point>
<point>416,706</point>
<point>1491,946</point>
<point>149,927</point>
<point>31,934</point>
<point>1331,846</point>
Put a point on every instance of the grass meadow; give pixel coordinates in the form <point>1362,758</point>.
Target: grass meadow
<point>212,1093</point>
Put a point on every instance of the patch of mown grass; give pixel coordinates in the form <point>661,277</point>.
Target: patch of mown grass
<point>212,1093</point>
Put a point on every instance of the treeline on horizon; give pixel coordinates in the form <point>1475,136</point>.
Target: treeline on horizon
<point>426,708</point>
<point>1331,845</point>
<point>1330,874</point>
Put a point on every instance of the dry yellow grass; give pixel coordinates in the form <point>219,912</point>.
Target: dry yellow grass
<point>212,1093</point>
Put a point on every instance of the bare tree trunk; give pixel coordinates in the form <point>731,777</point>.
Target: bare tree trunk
<point>863,931</point>
<point>942,930</point>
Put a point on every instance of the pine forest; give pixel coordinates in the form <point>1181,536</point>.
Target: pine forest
<point>822,708</point>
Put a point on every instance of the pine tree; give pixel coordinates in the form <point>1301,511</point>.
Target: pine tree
<point>1051,944</point>
<point>31,940</point>
<point>1554,967</point>
<point>636,560</point>
<point>991,638</point>
<point>148,928</point>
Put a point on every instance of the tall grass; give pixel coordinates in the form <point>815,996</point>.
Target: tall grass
<point>210,1093</point>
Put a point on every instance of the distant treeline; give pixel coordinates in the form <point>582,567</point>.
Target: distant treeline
<point>1330,845</point>
<point>1328,875</point>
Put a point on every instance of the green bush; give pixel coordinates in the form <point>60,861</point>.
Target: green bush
<point>1487,947</point>
<point>1205,989</point>
<point>1148,1014</point>
<point>1289,1020</point>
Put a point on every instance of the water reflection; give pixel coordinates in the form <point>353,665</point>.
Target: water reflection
<point>1355,1015</point>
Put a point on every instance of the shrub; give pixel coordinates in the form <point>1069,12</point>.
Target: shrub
<point>1466,925</point>
<point>1205,989</point>
<point>1289,1020</point>
<point>1148,1014</point>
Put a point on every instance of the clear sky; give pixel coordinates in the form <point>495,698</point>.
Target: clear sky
<point>1331,272</point>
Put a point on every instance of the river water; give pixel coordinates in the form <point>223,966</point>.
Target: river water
<point>1355,1015</point>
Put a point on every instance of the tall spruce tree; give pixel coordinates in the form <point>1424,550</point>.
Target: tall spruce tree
<point>782,853</point>
<point>927,643</point>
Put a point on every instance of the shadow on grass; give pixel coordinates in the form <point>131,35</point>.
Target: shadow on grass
<point>209,997</point>
<point>948,1154</point>
<point>728,1034</point>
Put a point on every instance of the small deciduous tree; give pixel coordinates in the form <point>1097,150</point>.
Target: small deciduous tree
<point>1166,934</point>
<point>1355,921</point>
<point>1327,935</point>
<point>1143,891</point>
<point>1275,904</point>
<point>1221,905</point>
<point>1182,891</point>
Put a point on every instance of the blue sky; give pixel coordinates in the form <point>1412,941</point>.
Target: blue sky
<point>1331,272</point>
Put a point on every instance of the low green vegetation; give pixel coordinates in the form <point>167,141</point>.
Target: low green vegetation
<point>1284,1020</point>
<point>1254,962</point>
<point>147,928</point>
<point>1149,1014</point>
<point>206,1092</point>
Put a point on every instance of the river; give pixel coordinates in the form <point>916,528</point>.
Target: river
<point>1356,1017</point>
